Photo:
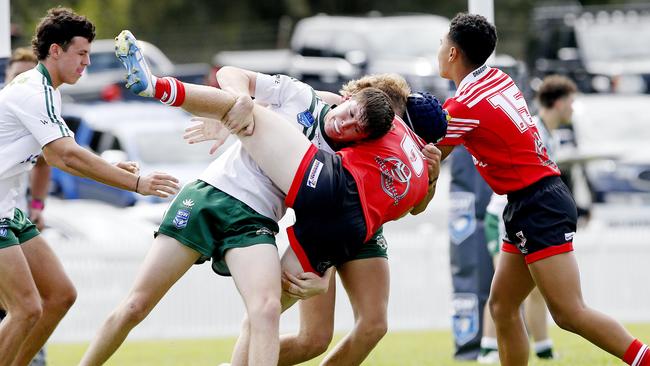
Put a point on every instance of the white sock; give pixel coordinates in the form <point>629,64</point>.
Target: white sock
<point>489,342</point>
<point>543,345</point>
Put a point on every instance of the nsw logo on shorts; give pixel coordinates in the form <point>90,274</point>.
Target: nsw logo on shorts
<point>314,172</point>
<point>181,218</point>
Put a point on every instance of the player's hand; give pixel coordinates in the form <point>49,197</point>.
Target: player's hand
<point>129,166</point>
<point>206,129</point>
<point>306,284</point>
<point>432,155</point>
<point>36,217</point>
<point>157,184</point>
<point>239,119</point>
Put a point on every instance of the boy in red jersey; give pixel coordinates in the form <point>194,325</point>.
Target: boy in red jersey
<point>490,117</point>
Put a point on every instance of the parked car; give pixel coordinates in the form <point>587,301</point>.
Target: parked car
<point>104,77</point>
<point>612,132</point>
<point>149,133</point>
<point>327,51</point>
<point>403,44</point>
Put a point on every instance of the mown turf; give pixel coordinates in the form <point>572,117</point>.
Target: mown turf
<point>397,348</point>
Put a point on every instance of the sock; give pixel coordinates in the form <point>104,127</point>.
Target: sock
<point>169,91</point>
<point>544,349</point>
<point>488,344</point>
<point>637,354</point>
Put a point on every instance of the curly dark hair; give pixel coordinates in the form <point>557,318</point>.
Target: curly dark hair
<point>59,26</point>
<point>555,87</point>
<point>475,37</point>
<point>376,112</point>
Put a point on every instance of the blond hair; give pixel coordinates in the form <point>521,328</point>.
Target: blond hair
<point>394,85</point>
<point>22,54</point>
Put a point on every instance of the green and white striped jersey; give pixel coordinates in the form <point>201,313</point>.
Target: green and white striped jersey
<point>30,118</point>
<point>235,171</point>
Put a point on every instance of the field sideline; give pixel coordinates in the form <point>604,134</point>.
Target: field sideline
<point>397,348</point>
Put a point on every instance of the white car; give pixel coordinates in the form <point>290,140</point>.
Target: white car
<point>144,131</point>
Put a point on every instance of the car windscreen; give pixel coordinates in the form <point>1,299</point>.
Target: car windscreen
<point>168,147</point>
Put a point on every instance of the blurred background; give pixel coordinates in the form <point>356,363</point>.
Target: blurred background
<point>101,233</point>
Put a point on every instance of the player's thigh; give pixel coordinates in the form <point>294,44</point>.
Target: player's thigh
<point>166,261</point>
<point>16,282</point>
<point>512,281</point>
<point>47,270</point>
<point>367,282</point>
<point>558,279</point>
<point>276,140</point>
<point>256,271</point>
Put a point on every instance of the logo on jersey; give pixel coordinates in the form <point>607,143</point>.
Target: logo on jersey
<point>181,218</point>
<point>305,118</point>
<point>462,220</point>
<point>30,159</point>
<point>569,236</point>
<point>3,232</point>
<point>314,173</point>
<point>395,177</point>
<point>264,231</point>
<point>465,319</point>
<point>522,242</point>
<point>188,203</point>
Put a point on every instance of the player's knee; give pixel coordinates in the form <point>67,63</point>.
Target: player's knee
<point>499,309</point>
<point>28,311</point>
<point>565,319</point>
<point>62,301</point>
<point>266,309</point>
<point>316,343</point>
<point>372,330</point>
<point>135,310</point>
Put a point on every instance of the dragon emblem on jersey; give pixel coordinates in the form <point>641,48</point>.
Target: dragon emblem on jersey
<point>395,177</point>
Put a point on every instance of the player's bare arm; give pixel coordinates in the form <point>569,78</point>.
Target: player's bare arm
<point>242,83</point>
<point>433,156</point>
<point>65,154</point>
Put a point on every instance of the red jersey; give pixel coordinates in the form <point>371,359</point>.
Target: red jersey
<point>490,117</point>
<point>391,175</point>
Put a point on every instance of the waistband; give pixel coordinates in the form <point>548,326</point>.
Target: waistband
<point>531,189</point>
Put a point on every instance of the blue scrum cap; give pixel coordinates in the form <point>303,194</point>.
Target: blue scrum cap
<point>425,116</point>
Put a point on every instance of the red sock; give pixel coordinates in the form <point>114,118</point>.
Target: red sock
<point>170,91</point>
<point>637,354</point>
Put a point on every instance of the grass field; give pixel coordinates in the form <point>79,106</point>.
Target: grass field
<point>397,348</point>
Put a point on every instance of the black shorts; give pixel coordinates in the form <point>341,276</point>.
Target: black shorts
<point>330,226</point>
<point>540,220</point>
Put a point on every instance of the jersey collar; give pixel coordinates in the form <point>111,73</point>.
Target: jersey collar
<point>43,70</point>
<point>472,77</point>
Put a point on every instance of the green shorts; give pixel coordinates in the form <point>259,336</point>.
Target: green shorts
<point>16,231</point>
<point>211,221</point>
<point>375,247</point>
<point>492,234</point>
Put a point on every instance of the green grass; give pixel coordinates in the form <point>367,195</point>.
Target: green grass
<point>397,348</point>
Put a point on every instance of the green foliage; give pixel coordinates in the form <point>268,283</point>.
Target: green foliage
<point>397,348</point>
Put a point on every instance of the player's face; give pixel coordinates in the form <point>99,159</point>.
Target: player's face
<point>16,68</point>
<point>443,57</point>
<point>342,123</point>
<point>72,62</point>
<point>565,108</point>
